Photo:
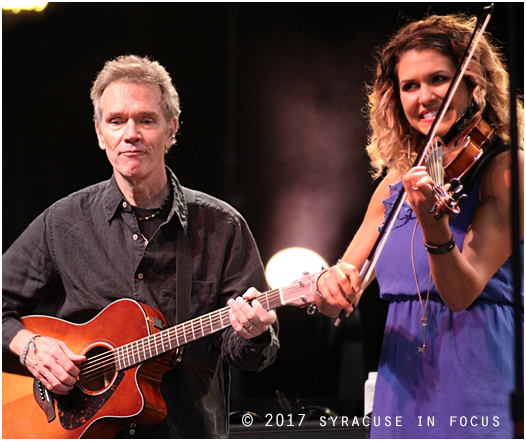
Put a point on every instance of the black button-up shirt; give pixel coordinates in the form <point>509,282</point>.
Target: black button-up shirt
<point>87,250</point>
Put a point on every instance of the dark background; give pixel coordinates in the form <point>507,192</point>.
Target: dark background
<point>272,97</point>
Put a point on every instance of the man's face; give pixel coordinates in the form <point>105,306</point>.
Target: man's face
<point>133,130</point>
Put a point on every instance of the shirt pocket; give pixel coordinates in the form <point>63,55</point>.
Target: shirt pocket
<point>204,298</point>
<point>202,301</point>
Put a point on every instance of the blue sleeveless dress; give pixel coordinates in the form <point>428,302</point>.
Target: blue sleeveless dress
<point>462,386</point>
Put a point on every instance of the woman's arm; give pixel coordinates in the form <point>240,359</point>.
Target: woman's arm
<point>461,277</point>
<point>340,285</point>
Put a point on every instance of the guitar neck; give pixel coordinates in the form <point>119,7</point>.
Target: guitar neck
<point>150,347</point>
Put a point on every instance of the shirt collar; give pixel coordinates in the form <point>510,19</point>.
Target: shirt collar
<point>113,200</point>
<point>179,203</point>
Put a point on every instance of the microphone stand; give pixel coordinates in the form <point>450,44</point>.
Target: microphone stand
<point>517,397</point>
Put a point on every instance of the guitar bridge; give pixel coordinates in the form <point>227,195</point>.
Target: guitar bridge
<point>44,399</point>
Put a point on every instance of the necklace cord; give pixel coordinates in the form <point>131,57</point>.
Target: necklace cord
<point>151,216</point>
<point>423,321</point>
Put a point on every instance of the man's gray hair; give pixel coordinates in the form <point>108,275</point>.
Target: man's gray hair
<point>132,69</point>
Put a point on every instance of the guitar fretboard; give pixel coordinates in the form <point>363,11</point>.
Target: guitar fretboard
<point>179,335</point>
<point>98,367</point>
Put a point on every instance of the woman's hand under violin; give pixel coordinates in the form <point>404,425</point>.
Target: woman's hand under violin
<point>419,188</point>
<point>338,288</point>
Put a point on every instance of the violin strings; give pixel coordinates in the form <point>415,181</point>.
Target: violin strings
<point>435,161</point>
<point>206,324</point>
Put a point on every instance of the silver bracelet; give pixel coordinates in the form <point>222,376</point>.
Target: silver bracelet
<point>30,344</point>
<point>318,293</point>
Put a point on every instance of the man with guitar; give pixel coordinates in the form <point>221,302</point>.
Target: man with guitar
<point>123,238</point>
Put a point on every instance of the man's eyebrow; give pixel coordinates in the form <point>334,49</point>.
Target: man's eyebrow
<point>148,113</point>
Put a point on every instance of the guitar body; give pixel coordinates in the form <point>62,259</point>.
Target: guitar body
<point>128,351</point>
<point>93,409</point>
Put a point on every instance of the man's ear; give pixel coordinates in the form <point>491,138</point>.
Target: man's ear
<point>173,131</point>
<point>102,144</point>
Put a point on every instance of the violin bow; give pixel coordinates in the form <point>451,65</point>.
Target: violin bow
<point>368,267</point>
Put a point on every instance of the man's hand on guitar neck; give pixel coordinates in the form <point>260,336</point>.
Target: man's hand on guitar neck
<point>250,320</point>
<point>49,360</point>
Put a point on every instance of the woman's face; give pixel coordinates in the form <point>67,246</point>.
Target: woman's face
<point>424,78</point>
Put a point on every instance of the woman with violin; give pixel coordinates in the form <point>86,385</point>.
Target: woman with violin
<point>447,362</point>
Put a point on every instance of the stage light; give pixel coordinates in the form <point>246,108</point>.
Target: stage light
<point>17,5</point>
<point>290,264</point>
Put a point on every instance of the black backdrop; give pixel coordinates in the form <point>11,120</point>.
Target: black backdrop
<point>272,97</point>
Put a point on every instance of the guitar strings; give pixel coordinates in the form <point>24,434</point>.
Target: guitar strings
<point>140,346</point>
<point>136,345</point>
<point>209,323</point>
<point>215,319</point>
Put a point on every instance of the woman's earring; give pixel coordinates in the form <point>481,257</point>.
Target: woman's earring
<point>409,142</point>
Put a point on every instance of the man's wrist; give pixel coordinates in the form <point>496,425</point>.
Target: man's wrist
<point>29,345</point>
<point>263,338</point>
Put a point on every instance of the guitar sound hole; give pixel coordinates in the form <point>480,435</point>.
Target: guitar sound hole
<point>98,372</point>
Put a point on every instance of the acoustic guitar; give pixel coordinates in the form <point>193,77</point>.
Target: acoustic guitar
<point>128,348</point>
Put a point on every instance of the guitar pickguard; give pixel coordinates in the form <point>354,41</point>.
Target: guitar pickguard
<point>76,408</point>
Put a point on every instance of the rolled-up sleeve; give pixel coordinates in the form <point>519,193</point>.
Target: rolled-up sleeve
<point>243,269</point>
<point>248,355</point>
<point>28,276</point>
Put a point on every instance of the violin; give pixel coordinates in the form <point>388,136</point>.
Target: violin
<point>451,164</point>
<point>461,154</point>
